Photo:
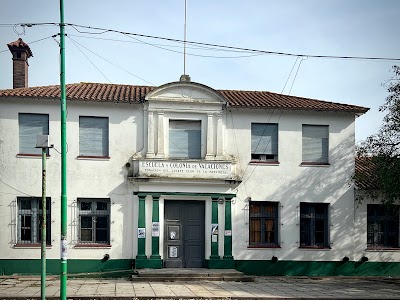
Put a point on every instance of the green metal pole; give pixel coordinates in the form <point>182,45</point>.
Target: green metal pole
<point>63,274</point>
<point>43,248</point>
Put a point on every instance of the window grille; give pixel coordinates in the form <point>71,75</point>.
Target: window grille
<point>30,220</point>
<point>94,221</point>
<point>382,226</point>
<point>314,225</point>
<point>263,223</point>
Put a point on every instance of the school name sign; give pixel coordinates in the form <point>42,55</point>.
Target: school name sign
<point>186,169</point>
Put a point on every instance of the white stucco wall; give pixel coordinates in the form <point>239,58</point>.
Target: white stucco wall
<point>102,178</point>
<point>288,183</point>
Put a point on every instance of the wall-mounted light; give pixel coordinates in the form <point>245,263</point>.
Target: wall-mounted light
<point>128,165</point>
<point>247,199</point>
<point>274,259</point>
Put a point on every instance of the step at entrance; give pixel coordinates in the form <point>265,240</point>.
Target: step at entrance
<point>187,274</point>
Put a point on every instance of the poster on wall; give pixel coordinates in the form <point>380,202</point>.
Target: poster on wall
<point>155,229</point>
<point>141,232</point>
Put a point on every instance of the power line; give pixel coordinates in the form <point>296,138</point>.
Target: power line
<point>105,30</point>
<point>110,61</point>
<point>14,188</point>
<point>32,42</point>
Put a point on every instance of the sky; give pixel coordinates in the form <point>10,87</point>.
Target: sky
<point>366,28</point>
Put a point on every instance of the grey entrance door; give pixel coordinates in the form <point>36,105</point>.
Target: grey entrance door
<point>184,234</point>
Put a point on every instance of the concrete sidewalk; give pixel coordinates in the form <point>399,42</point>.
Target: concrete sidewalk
<point>263,287</point>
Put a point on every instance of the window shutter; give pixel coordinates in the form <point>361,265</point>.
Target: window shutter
<point>93,136</point>
<point>30,126</point>
<point>184,139</point>
<point>315,143</point>
<point>264,138</point>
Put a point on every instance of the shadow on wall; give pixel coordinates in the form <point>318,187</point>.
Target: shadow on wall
<point>331,185</point>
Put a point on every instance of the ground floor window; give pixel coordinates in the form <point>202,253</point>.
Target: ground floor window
<point>94,221</point>
<point>30,220</point>
<point>314,225</point>
<point>382,226</point>
<point>263,224</point>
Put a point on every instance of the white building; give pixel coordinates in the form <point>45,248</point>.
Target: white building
<point>182,175</point>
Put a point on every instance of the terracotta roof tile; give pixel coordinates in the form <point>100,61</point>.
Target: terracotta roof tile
<point>365,171</point>
<point>134,93</point>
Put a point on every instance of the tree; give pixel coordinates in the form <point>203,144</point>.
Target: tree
<point>380,153</point>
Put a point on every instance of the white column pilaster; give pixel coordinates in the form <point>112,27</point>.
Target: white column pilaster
<point>210,137</point>
<point>160,149</point>
<point>150,134</point>
<point>220,138</point>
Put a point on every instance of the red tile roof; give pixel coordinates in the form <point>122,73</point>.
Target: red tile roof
<point>365,173</point>
<point>134,93</point>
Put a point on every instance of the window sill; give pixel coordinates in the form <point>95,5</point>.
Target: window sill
<point>93,246</point>
<point>29,246</point>
<point>314,164</point>
<point>32,155</point>
<point>93,157</point>
<point>315,248</point>
<point>381,249</point>
<point>264,247</point>
<point>267,163</point>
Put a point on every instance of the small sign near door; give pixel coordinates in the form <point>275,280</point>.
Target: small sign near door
<point>173,252</point>
<point>155,229</point>
<point>141,232</point>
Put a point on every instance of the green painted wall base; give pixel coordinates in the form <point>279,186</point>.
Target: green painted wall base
<point>141,263</point>
<point>155,262</point>
<point>75,266</point>
<point>317,268</point>
<point>221,264</point>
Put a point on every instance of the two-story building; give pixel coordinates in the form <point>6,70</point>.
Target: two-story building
<point>182,175</point>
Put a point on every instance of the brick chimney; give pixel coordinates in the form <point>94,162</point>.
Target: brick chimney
<point>20,52</point>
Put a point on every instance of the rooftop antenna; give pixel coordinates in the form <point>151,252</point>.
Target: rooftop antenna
<point>184,77</point>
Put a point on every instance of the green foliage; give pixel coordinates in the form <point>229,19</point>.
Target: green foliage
<point>383,150</point>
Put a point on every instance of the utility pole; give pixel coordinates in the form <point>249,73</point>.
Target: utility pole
<point>43,142</point>
<point>64,243</point>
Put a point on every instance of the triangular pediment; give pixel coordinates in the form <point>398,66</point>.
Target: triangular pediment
<point>185,92</point>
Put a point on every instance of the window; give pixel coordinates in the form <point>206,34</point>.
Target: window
<point>315,144</point>
<point>94,221</point>
<point>314,225</point>
<point>382,226</point>
<point>264,142</point>
<point>93,136</point>
<point>184,139</point>
<point>30,220</point>
<point>263,224</point>
<point>30,126</point>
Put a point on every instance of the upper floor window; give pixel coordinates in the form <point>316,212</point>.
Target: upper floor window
<point>184,139</point>
<point>315,144</point>
<point>94,221</point>
<point>264,142</point>
<point>263,224</point>
<point>314,225</point>
<point>30,220</point>
<point>30,126</point>
<point>93,136</point>
<point>383,226</point>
